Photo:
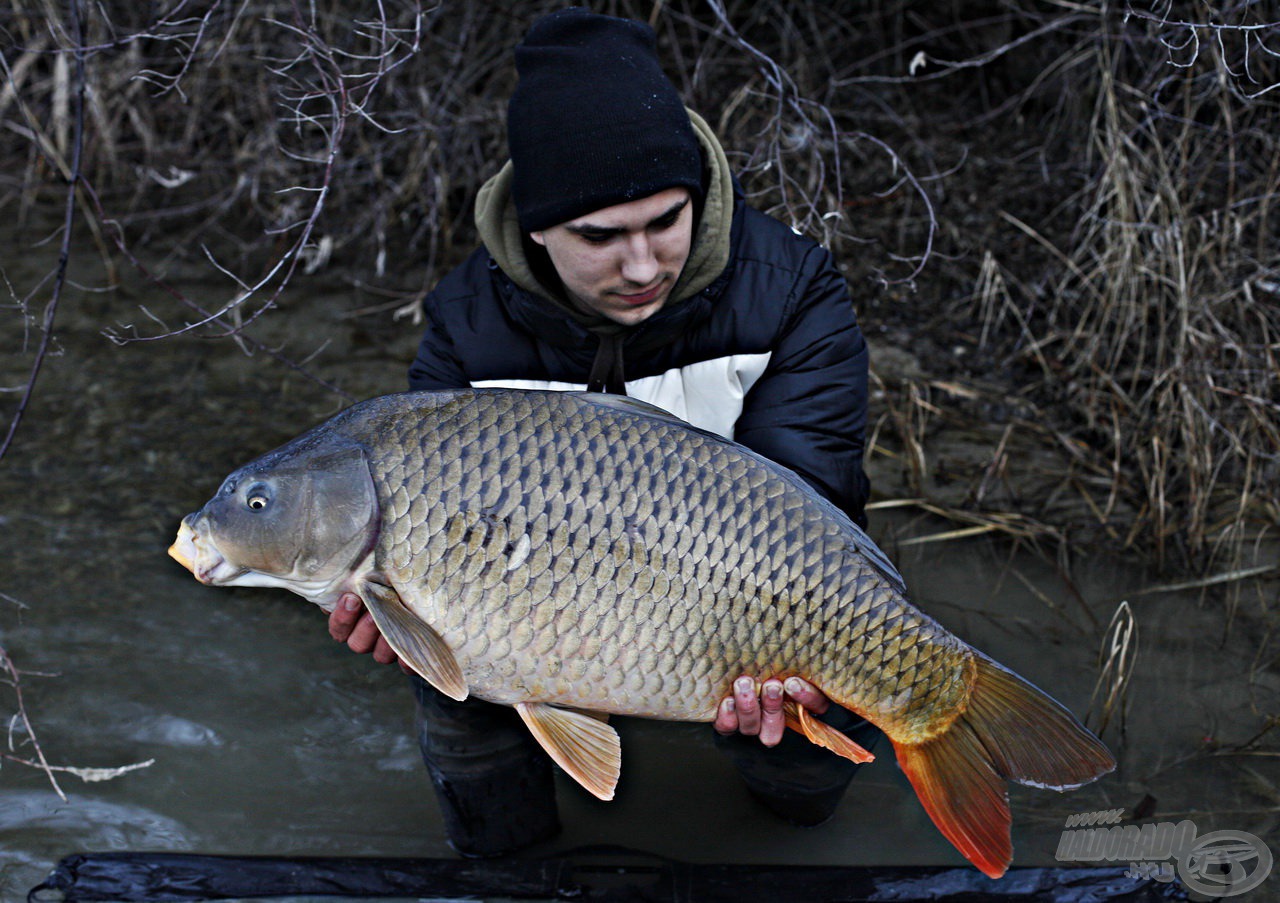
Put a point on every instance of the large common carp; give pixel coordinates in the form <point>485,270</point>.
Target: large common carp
<point>574,555</point>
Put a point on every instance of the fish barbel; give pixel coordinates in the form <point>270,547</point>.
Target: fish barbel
<point>574,555</point>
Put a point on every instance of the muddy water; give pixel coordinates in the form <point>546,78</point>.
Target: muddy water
<point>266,737</point>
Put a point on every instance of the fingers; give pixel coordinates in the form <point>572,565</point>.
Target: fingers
<point>726,717</point>
<point>772,722</point>
<point>349,623</point>
<point>364,636</point>
<point>382,652</point>
<point>746,701</point>
<point>344,616</point>
<point>807,695</point>
<point>756,710</point>
<point>739,711</point>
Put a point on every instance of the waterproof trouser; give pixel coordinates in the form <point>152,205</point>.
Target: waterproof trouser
<point>496,789</point>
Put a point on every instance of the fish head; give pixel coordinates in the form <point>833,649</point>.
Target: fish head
<point>302,517</point>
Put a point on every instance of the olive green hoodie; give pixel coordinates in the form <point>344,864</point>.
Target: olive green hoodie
<point>709,255</point>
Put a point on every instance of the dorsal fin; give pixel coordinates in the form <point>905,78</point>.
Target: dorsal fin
<point>631,405</point>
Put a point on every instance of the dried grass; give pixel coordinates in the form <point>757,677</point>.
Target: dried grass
<point>1116,661</point>
<point>1124,307</point>
<point>1146,330</point>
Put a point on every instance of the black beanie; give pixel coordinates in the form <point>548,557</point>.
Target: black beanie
<point>594,121</point>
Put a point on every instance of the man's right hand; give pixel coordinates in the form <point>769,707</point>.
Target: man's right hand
<point>349,623</point>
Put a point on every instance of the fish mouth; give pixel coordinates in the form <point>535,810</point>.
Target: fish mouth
<point>200,557</point>
<point>184,549</point>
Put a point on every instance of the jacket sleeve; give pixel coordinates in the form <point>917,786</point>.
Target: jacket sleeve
<point>808,410</point>
<point>436,365</point>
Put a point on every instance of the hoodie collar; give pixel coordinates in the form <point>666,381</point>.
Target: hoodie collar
<point>709,255</point>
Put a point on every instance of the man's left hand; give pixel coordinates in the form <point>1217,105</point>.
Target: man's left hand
<point>756,710</point>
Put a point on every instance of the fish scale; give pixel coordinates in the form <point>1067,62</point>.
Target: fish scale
<point>567,553</point>
<point>434,459</point>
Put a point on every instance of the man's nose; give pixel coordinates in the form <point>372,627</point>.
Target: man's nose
<point>639,265</point>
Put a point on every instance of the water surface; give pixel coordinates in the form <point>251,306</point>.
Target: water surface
<point>268,738</point>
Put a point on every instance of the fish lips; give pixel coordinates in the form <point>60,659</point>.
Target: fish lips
<point>200,557</point>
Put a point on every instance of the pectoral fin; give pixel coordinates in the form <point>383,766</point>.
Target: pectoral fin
<point>414,640</point>
<point>584,746</point>
<point>823,734</point>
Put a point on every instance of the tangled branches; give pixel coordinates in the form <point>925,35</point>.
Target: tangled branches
<point>1077,195</point>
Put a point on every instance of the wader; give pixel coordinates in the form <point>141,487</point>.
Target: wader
<point>496,789</point>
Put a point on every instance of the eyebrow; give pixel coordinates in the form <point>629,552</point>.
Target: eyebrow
<point>669,215</point>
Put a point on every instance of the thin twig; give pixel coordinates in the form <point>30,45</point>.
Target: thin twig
<point>15,681</point>
<point>64,253</point>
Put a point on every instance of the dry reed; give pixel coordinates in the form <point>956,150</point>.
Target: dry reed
<point>1117,288</point>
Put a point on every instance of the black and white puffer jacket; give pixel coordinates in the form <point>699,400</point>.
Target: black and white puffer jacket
<point>759,342</point>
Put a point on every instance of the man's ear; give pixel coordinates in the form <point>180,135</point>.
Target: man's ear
<point>540,237</point>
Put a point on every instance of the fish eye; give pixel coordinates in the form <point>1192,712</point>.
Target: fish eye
<point>257,498</point>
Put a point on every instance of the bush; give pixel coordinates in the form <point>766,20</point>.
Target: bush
<point>1081,198</point>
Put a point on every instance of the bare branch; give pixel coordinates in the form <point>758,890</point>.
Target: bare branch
<point>64,254</point>
<point>15,681</point>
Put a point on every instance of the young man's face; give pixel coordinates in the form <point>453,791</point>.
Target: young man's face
<point>622,262</point>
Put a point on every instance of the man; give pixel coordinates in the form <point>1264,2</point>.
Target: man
<point>618,255</point>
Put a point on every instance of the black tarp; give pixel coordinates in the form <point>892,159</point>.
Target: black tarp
<point>608,875</point>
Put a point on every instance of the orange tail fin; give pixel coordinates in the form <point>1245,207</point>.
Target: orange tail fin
<point>1010,731</point>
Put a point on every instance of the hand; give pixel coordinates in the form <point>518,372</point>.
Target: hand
<point>754,710</point>
<point>349,623</point>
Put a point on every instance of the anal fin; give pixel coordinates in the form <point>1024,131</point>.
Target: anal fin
<point>822,734</point>
<point>414,640</point>
<point>583,745</point>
